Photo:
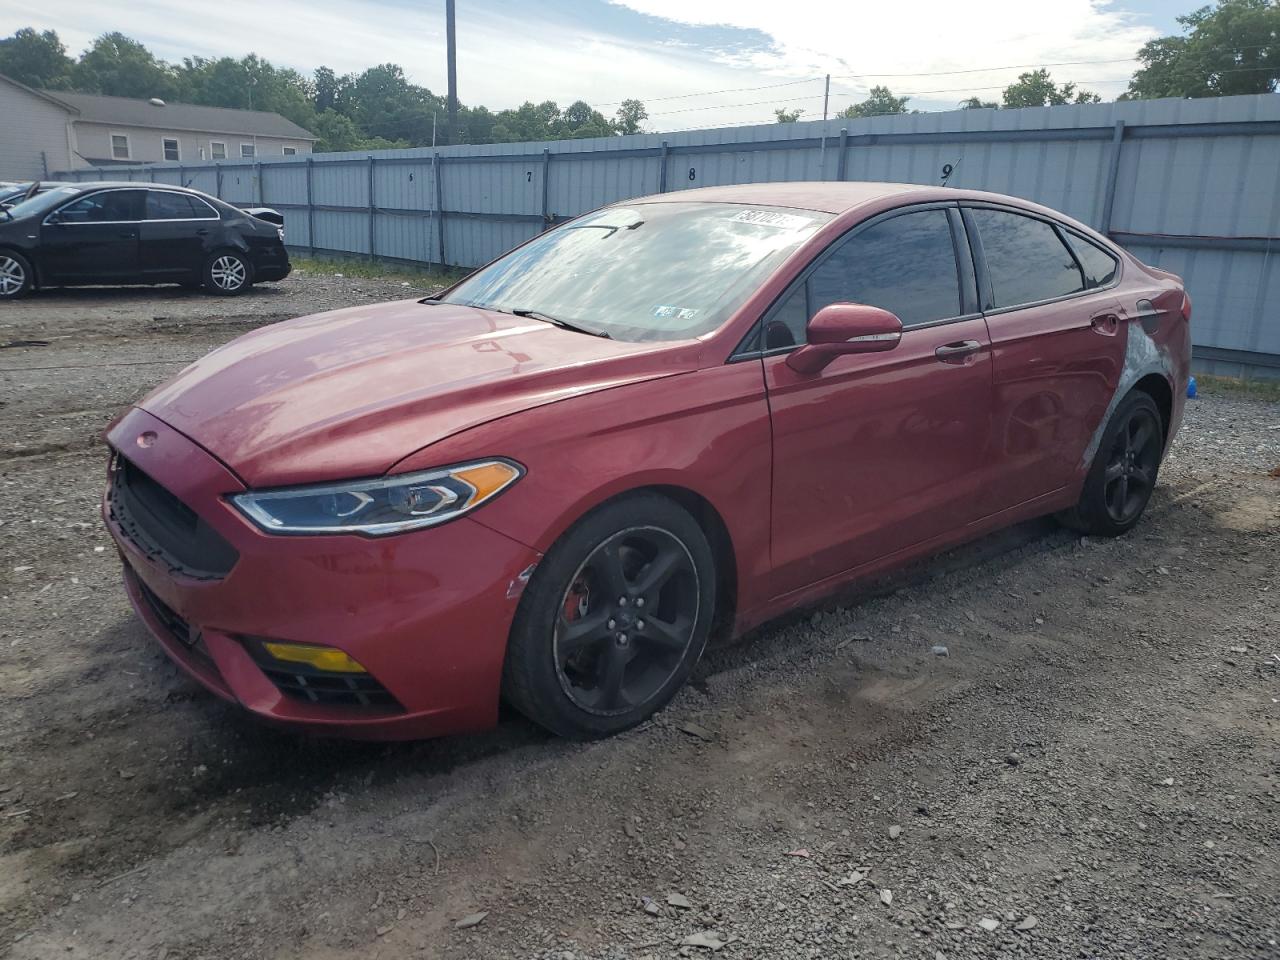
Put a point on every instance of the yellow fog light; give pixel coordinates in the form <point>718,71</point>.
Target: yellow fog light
<point>322,658</point>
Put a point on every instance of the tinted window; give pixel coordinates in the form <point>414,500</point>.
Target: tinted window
<point>1099,266</point>
<point>172,206</point>
<point>1025,259</point>
<point>906,265</point>
<point>106,207</point>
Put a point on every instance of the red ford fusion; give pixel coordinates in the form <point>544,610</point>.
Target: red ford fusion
<point>674,416</point>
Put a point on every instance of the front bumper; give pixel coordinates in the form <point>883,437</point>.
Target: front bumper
<point>426,613</point>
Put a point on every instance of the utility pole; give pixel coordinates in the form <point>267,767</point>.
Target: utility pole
<point>452,41</point>
<point>822,148</point>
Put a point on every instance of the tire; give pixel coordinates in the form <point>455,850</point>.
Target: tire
<point>1123,473</point>
<point>583,663</point>
<point>16,277</point>
<point>227,274</point>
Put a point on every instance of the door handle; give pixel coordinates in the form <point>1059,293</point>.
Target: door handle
<point>1106,324</point>
<point>202,233</point>
<point>128,235</point>
<point>957,352</point>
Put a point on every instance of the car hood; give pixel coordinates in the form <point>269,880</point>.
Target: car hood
<point>352,392</point>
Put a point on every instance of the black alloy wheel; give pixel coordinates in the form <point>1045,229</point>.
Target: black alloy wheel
<point>613,619</point>
<point>1130,474</point>
<point>626,620</point>
<point>1123,474</point>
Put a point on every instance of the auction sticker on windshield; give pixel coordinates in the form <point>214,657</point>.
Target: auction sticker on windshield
<point>772,218</point>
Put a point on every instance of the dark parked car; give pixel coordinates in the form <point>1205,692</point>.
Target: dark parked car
<point>122,233</point>
<point>701,408</point>
<point>15,193</point>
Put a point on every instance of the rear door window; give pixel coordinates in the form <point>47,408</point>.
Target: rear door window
<point>1026,260</point>
<point>109,206</point>
<point>162,205</point>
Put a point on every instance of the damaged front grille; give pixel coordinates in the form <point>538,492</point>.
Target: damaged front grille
<point>165,528</point>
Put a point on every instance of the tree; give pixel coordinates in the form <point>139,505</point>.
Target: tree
<point>880,103</point>
<point>36,59</point>
<point>787,116</point>
<point>121,67</point>
<point>977,103</point>
<point>631,113</point>
<point>1232,48</point>
<point>1037,89</point>
<point>338,133</point>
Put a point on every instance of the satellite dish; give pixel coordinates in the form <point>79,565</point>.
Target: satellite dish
<point>156,102</point>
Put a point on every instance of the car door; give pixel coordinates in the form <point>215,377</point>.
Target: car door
<point>174,235</point>
<point>879,451</point>
<point>1057,341</point>
<point>92,238</point>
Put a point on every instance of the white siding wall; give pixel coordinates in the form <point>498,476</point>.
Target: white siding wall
<point>93,140</point>
<point>31,126</point>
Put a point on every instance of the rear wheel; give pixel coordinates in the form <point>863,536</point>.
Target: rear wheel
<point>613,620</point>
<point>227,274</point>
<point>1123,475</point>
<point>15,275</point>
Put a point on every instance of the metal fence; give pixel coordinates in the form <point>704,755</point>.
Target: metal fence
<point>1189,185</point>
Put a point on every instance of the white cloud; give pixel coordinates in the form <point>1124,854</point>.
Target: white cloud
<point>504,60</point>
<point>864,43</point>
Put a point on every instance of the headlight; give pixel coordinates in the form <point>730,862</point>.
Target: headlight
<point>385,505</point>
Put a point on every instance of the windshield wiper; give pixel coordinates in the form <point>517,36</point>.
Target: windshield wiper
<point>556,321</point>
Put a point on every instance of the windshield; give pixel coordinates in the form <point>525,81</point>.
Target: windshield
<point>646,271</point>
<point>42,203</point>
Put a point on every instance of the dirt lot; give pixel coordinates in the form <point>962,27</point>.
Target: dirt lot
<point>1093,771</point>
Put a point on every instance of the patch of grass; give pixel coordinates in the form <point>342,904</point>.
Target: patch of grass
<point>422,278</point>
<point>1258,389</point>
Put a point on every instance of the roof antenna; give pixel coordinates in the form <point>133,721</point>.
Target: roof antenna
<point>947,170</point>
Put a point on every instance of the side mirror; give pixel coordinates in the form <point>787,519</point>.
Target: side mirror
<point>841,328</point>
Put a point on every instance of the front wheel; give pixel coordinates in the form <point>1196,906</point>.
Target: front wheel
<point>1123,474</point>
<point>613,620</point>
<point>227,274</point>
<point>15,275</point>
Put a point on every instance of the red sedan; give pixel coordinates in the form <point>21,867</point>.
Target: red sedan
<point>678,414</point>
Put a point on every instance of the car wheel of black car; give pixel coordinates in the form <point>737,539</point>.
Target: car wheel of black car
<point>1123,474</point>
<point>613,620</point>
<point>227,274</point>
<point>15,275</point>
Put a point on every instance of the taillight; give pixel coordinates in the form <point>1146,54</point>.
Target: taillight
<point>1186,307</point>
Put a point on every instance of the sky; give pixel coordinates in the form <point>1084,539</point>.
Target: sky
<point>695,63</point>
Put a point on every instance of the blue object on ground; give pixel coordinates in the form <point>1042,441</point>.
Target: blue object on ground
<point>1191,389</point>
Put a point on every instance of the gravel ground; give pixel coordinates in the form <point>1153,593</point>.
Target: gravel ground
<point>1092,771</point>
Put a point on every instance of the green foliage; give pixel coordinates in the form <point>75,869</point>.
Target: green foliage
<point>1232,48</point>
<point>376,109</point>
<point>880,103</point>
<point>1037,89</point>
<point>36,59</point>
<point>977,103</point>
<point>120,67</point>
<point>787,116</point>
<point>631,113</point>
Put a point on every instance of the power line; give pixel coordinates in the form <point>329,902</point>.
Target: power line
<point>731,106</point>
<point>1012,66</point>
<point>709,93</point>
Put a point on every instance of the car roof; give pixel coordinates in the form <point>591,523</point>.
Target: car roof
<point>824,195</point>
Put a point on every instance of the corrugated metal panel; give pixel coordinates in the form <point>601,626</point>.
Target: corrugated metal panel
<point>1175,177</point>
